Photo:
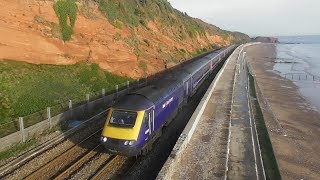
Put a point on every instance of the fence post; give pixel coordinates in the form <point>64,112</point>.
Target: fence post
<point>88,97</point>
<point>49,117</point>
<point>70,104</point>
<point>138,82</point>
<point>128,85</point>
<point>23,135</point>
<point>117,89</point>
<point>70,108</point>
<point>103,92</point>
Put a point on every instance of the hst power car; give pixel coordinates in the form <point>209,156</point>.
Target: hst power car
<point>136,120</point>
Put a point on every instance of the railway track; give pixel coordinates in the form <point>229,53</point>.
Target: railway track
<point>29,161</point>
<point>66,174</point>
<point>85,160</point>
<point>68,157</point>
<point>106,167</point>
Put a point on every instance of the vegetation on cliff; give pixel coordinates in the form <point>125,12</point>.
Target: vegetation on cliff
<point>66,11</point>
<point>135,13</point>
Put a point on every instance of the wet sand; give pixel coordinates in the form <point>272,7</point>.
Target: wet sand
<point>293,123</point>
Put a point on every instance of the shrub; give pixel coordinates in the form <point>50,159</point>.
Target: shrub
<point>117,24</point>
<point>66,11</point>
<point>117,36</point>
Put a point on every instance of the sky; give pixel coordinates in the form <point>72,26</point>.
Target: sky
<point>257,17</point>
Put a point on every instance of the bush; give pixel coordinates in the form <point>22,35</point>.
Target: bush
<point>66,10</point>
<point>117,24</point>
<point>117,37</point>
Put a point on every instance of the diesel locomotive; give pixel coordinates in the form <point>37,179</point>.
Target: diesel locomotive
<point>136,120</point>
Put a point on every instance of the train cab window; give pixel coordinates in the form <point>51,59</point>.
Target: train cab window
<point>123,118</point>
<point>146,120</point>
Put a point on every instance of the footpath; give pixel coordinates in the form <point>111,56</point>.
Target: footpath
<point>219,141</point>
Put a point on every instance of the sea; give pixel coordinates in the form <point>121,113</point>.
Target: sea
<point>298,59</point>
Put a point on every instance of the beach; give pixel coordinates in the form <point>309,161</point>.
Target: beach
<point>300,63</point>
<point>292,120</point>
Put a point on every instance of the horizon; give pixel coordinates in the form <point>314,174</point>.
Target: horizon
<point>287,35</point>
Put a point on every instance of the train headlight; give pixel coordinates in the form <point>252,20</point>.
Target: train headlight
<point>104,139</point>
<point>132,143</point>
<point>126,142</point>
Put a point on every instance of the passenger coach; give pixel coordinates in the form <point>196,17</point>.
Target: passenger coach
<point>135,121</point>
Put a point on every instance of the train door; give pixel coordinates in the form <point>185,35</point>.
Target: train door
<point>187,88</point>
<point>151,120</point>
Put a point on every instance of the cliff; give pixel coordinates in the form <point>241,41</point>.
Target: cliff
<point>130,38</point>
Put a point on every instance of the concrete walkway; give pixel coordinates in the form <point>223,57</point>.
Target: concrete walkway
<point>222,144</point>
<point>244,156</point>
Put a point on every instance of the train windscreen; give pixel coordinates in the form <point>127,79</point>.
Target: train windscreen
<point>123,118</point>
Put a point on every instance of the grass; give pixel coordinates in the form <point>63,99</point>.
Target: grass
<point>27,88</point>
<point>269,159</point>
<point>125,12</point>
<point>66,11</point>
<point>16,149</point>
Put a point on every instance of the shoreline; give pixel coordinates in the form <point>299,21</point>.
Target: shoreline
<point>293,125</point>
<point>309,84</point>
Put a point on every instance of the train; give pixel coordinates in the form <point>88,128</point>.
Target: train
<point>135,121</point>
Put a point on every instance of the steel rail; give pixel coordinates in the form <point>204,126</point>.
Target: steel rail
<point>99,175</point>
<point>61,158</point>
<point>71,169</point>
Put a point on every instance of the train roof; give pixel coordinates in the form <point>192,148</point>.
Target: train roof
<point>134,102</point>
<point>197,64</point>
<point>160,89</point>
